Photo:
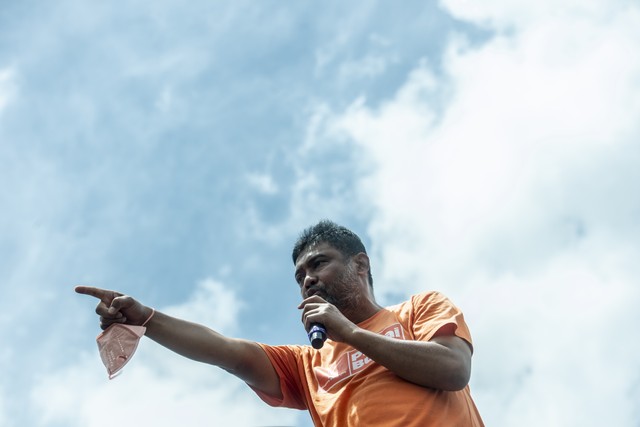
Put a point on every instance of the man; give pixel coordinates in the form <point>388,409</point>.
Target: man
<point>405,365</point>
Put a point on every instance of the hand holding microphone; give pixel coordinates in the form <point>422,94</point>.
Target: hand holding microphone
<point>316,331</point>
<point>317,335</point>
<point>320,317</point>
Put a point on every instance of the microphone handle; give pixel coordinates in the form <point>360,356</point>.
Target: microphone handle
<point>317,335</point>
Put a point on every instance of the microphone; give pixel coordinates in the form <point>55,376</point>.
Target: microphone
<point>317,335</point>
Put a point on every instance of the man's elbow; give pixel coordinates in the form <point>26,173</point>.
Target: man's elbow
<point>457,378</point>
<point>456,382</point>
<point>453,376</point>
<point>455,367</point>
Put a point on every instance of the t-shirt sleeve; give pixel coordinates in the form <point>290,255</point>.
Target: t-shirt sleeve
<point>431,312</point>
<point>286,361</point>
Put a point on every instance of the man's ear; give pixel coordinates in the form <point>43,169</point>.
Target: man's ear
<point>362,263</point>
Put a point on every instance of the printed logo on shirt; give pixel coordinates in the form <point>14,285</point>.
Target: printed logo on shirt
<point>351,362</point>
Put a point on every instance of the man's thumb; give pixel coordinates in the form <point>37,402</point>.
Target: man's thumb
<point>119,303</point>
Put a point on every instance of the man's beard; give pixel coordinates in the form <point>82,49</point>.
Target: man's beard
<point>344,295</point>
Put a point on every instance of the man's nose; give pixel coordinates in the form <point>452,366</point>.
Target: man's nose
<point>309,280</point>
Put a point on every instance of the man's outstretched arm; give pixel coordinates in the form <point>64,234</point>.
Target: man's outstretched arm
<point>244,359</point>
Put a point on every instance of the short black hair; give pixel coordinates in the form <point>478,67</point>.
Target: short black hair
<point>339,237</point>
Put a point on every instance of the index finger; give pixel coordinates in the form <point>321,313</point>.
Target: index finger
<point>102,294</point>
<point>313,298</point>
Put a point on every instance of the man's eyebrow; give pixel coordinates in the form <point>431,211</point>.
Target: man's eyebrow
<point>314,257</point>
<point>308,261</point>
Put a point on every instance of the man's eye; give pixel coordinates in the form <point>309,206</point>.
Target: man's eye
<point>319,262</point>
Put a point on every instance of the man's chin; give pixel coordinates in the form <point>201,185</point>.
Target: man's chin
<point>339,304</point>
<point>327,298</point>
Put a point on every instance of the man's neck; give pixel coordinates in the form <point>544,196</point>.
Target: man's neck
<point>364,311</point>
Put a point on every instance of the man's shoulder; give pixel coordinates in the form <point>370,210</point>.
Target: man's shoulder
<point>420,304</point>
<point>419,298</point>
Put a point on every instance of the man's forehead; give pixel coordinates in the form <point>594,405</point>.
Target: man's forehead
<point>313,250</point>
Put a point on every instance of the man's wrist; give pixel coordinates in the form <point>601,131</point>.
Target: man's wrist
<point>151,312</point>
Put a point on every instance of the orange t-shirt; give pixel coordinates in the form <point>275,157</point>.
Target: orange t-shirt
<point>342,387</point>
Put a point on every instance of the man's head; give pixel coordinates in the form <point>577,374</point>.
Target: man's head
<point>337,236</point>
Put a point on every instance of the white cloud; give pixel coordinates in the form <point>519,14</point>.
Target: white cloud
<point>376,57</point>
<point>367,67</point>
<point>507,183</point>
<point>165,99</point>
<point>263,183</point>
<point>546,337</point>
<point>213,304</point>
<point>327,54</point>
<point>504,15</point>
<point>518,136</point>
<point>158,387</point>
<point>7,87</point>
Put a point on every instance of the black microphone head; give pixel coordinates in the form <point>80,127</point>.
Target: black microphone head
<point>317,336</point>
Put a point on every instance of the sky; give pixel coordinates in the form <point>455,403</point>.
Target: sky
<point>173,152</point>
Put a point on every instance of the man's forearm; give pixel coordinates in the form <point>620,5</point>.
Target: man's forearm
<point>242,358</point>
<point>193,340</point>
<point>441,364</point>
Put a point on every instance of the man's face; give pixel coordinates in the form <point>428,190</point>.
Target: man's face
<point>322,270</point>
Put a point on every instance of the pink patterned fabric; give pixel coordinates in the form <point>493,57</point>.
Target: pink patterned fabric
<point>118,343</point>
